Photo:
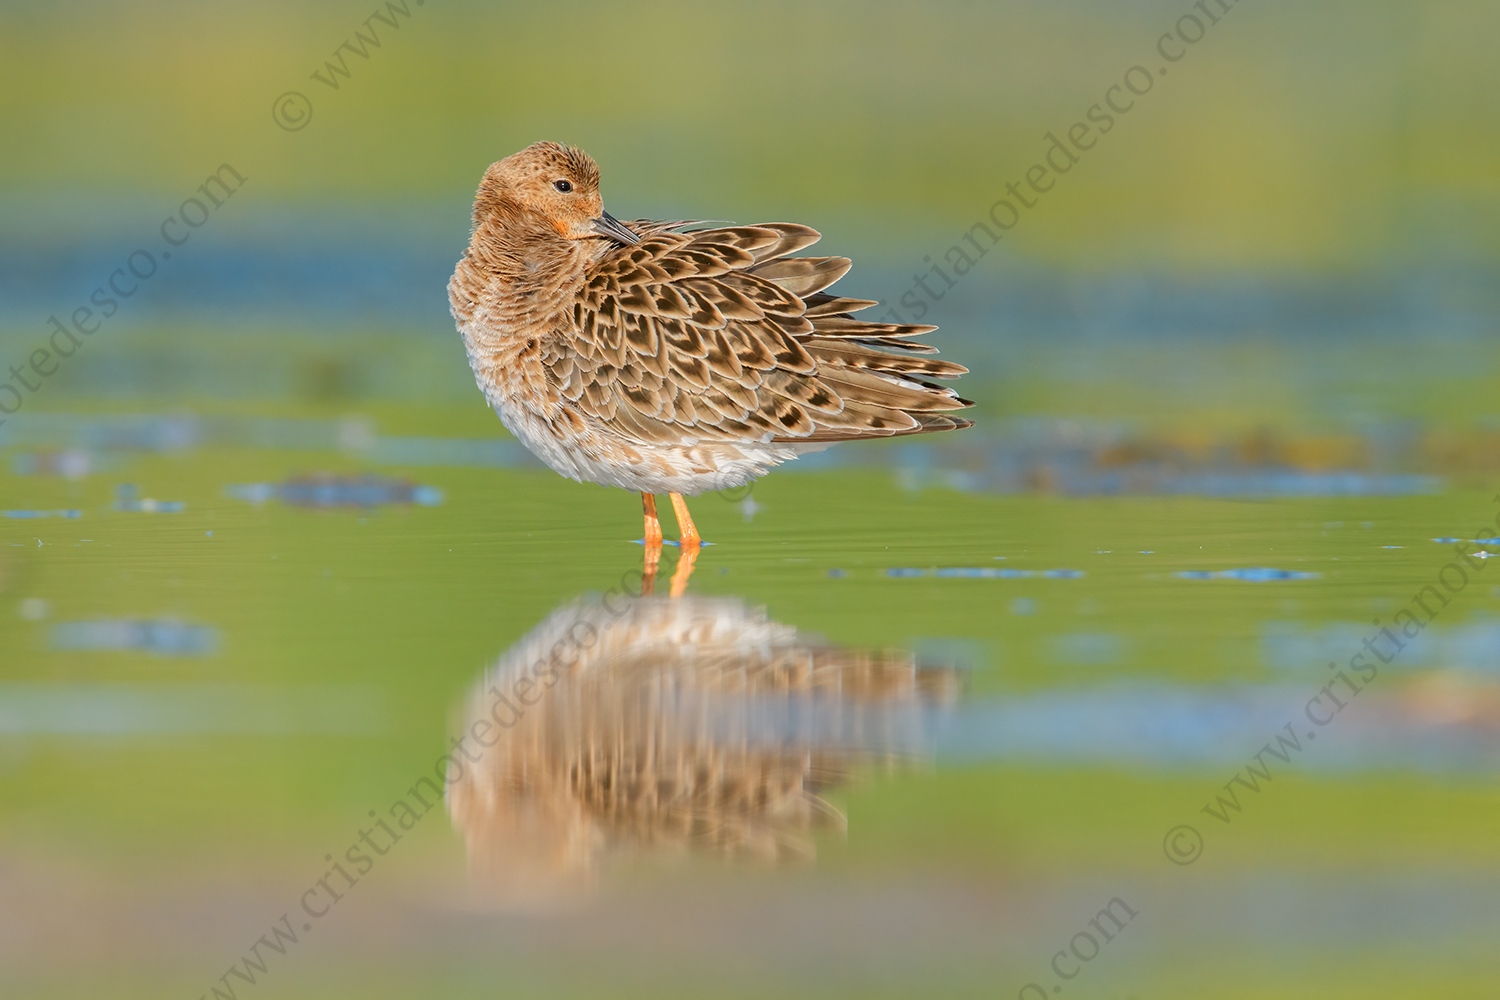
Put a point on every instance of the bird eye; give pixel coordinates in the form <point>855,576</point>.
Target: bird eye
<point>563,186</point>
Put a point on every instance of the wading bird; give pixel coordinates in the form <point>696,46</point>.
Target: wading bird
<point>665,357</point>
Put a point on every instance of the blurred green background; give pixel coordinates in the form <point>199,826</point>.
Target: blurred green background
<point>1305,171</point>
<point>1254,327</point>
<point>1329,135</point>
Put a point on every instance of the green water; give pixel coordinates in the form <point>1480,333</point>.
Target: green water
<point>347,642</point>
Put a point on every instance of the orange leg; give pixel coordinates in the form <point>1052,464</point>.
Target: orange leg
<point>653,523</point>
<point>688,534</point>
<point>652,542</point>
<point>690,542</point>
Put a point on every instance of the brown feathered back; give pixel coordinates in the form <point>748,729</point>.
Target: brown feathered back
<point>722,333</point>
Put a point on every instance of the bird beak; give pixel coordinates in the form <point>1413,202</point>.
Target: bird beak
<point>608,225</point>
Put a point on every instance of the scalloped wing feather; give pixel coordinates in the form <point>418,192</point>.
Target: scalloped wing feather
<point>720,334</point>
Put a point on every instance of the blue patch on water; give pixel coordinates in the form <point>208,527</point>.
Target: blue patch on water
<point>485,453</point>
<point>951,652</point>
<point>326,491</point>
<point>172,434</point>
<point>128,500</point>
<point>1259,574</point>
<point>1077,473</point>
<point>987,573</point>
<point>837,574</point>
<point>1089,648</point>
<point>71,445</point>
<point>179,709</point>
<point>29,515</point>
<point>163,637</point>
<point>1472,647</point>
<point>70,464</point>
<point>1193,724</point>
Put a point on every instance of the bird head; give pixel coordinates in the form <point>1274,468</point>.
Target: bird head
<point>558,183</point>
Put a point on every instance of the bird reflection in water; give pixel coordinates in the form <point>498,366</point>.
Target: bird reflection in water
<point>650,727</point>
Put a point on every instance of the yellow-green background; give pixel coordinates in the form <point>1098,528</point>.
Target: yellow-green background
<point>1318,145</point>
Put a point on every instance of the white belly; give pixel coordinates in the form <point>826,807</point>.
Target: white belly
<point>597,457</point>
